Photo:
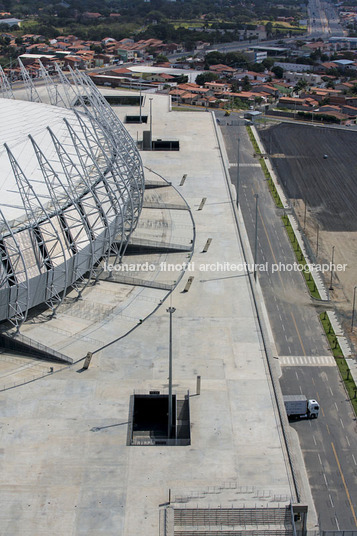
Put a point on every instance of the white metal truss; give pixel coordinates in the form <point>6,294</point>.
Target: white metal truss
<point>113,183</point>
<point>32,93</point>
<point>74,217</point>
<point>66,86</point>
<point>5,86</point>
<point>130,169</point>
<point>82,205</point>
<point>91,202</point>
<point>45,230</point>
<point>104,111</point>
<point>52,88</point>
<point>13,277</point>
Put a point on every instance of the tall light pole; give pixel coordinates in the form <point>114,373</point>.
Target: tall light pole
<point>256,235</point>
<point>333,253</point>
<point>238,170</point>
<point>140,103</point>
<point>170,310</point>
<point>150,99</point>
<point>353,306</point>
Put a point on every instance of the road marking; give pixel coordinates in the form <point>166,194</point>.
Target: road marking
<point>328,429</point>
<point>338,526</point>
<point>282,325</point>
<point>241,164</point>
<point>313,381</point>
<point>336,406</point>
<point>307,361</point>
<point>271,247</point>
<point>325,479</point>
<point>296,374</point>
<point>331,391</point>
<point>313,437</point>
<point>348,441</point>
<point>298,333</point>
<point>341,421</point>
<point>331,501</point>
<point>319,458</point>
<point>300,389</point>
<point>354,459</point>
<point>344,483</point>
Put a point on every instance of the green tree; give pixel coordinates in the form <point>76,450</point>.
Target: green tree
<point>278,71</point>
<point>246,85</point>
<point>201,79</point>
<point>161,58</point>
<point>269,29</point>
<point>300,85</point>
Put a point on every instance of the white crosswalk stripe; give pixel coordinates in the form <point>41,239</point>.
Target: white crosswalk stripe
<point>307,361</point>
<point>234,164</point>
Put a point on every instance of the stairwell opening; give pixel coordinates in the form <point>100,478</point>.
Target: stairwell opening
<point>149,420</point>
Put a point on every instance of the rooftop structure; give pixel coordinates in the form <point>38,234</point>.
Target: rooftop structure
<point>71,189</point>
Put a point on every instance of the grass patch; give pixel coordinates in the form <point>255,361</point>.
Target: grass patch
<point>330,334</point>
<point>267,175</point>
<point>340,360</point>
<point>301,259</point>
<point>253,140</point>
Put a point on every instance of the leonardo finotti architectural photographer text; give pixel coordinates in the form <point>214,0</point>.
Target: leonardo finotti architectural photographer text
<point>224,267</point>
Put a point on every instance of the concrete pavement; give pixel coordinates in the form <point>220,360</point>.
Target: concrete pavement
<point>67,467</point>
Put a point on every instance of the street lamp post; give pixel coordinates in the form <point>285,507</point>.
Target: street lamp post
<point>353,306</point>
<point>333,253</point>
<point>140,103</point>
<point>170,310</point>
<point>150,99</point>
<point>256,235</point>
<point>238,171</point>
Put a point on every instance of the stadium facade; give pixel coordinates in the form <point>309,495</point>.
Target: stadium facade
<point>71,185</point>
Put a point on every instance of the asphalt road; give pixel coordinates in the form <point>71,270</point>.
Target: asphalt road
<point>293,318</point>
<point>323,20</point>
<point>328,444</point>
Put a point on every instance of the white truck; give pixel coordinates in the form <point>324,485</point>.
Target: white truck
<point>299,407</point>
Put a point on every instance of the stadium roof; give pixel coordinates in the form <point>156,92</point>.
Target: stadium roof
<point>19,120</point>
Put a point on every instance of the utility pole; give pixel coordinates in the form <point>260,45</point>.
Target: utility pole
<point>140,103</point>
<point>150,124</point>
<point>170,310</point>
<point>353,306</point>
<point>238,171</point>
<point>256,235</point>
<point>333,253</point>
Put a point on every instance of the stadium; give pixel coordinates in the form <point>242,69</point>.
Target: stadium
<point>72,187</point>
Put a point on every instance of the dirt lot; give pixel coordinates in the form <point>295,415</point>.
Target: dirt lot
<point>328,186</point>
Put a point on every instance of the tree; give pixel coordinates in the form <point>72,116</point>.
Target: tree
<point>201,79</point>
<point>161,58</point>
<point>246,85</point>
<point>97,48</point>
<point>269,29</point>
<point>278,71</point>
<point>300,85</point>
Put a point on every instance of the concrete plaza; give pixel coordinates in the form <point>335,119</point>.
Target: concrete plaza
<point>66,465</point>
